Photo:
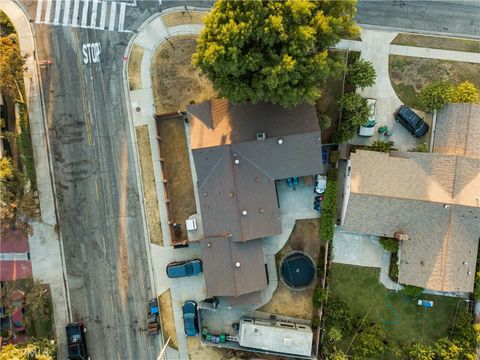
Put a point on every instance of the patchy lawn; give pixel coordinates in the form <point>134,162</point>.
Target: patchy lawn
<point>176,169</point>
<point>409,74</point>
<point>175,82</point>
<point>149,187</point>
<point>168,322</point>
<point>134,68</point>
<point>328,102</point>
<point>304,237</point>
<point>401,318</point>
<point>437,42</point>
<point>184,17</point>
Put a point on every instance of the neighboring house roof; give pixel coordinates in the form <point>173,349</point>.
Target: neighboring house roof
<point>14,242</point>
<point>236,176</point>
<point>433,198</point>
<point>14,256</point>
<point>457,130</point>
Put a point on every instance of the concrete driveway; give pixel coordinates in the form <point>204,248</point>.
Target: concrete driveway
<point>376,48</point>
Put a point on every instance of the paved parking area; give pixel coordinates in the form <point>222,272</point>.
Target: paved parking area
<point>376,48</point>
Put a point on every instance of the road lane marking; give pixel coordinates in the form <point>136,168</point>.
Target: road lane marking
<point>121,17</point>
<point>75,13</point>
<point>104,246</point>
<point>93,21</point>
<point>103,15</point>
<point>66,13</point>
<point>85,13</point>
<point>58,6</point>
<point>48,11</point>
<point>98,197</point>
<point>113,12</point>
<point>38,16</point>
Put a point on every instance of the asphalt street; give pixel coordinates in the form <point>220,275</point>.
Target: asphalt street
<point>448,17</point>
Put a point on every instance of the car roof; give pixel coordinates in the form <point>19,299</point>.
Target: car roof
<point>410,116</point>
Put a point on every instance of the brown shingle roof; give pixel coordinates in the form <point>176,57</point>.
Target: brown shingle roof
<point>408,192</point>
<point>457,130</point>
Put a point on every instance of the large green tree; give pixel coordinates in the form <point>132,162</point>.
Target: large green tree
<point>275,51</point>
<point>435,95</point>
<point>362,73</point>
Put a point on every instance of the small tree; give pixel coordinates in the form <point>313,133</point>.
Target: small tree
<point>338,315</point>
<point>446,349</point>
<point>274,51</point>
<point>355,113</point>
<point>420,351</point>
<point>390,244</point>
<point>466,92</point>
<point>11,67</point>
<point>33,349</point>
<point>319,296</point>
<point>361,73</point>
<point>380,146</point>
<point>370,344</point>
<point>338,355</point>
<point>435,95</point>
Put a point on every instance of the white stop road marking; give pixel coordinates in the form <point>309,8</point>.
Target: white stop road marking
<point>91,53</point>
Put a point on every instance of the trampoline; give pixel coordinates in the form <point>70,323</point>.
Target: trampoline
<point>297,270</point>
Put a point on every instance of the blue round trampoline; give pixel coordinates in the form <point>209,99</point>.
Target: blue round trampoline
<point>297,270</point>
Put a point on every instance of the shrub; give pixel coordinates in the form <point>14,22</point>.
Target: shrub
<point>333,156</point>
<point>418,351</point>
<point>423,147</point>
<point>315,322</point>
<point>319,296</point>
<point>334,335</point>
<point>329,211</point>
<point>361,74</point>
<point>435,95</point>
<point>412,291</point>
<point>381,146</point>
<point>390,244</point>
<point>393,269</point>
<point>466,92</point>
<point>370,344</point>
<point>338,315</point>
<point>324,121</point>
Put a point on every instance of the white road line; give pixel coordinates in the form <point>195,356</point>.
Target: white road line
<point>38,16</point>
<point>113,12</point>
<point>75,13</point>
<point>85,13</point>
<point>103,15</point>
<point>48,11</point>
<point>121,17</point>
<point>58,6</point>
<point>66,12</point>
<point>93,20</point>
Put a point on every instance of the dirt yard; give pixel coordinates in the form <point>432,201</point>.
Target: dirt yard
<point>437,42</point>
<point>184,17</point>
<point>176,169</point>
<point>149,188</point>
<point>304,237</point>
<point>134,68</point>
<point>175,82</point>
<point>168,323</point>
<point>409,74</point>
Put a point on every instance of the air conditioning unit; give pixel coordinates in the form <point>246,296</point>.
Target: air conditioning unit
<point>261,136</point>
<point>401,236</point>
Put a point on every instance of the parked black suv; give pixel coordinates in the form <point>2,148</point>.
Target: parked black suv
<point>411,121</point>
<point>77,346</point>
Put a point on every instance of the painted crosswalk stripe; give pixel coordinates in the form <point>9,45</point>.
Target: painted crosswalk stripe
<point>93,20</point>
<point>113,12</point>
<point>58,6</point>
<point>103,15</point>
<point>48,11</point>
<point>84,13</point>
<point>75,13</point>
<point>121,17</point>
<point>38,16</point>
<point>66,12</point>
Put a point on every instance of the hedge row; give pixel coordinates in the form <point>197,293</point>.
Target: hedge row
<point>329,209</point>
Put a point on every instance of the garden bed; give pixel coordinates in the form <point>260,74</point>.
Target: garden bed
<point>437,42</point>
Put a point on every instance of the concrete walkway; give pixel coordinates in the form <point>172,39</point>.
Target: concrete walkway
<point>45,243</point>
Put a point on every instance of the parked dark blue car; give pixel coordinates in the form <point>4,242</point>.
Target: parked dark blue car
<point>184,268</point>
<point>190,318</point>
<point>411,121</point>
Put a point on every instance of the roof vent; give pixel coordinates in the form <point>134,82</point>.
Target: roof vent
<point>446,206</point>
<point>280,141</point>
<point>237,264</point>
<point>244,212</point>
<point>401,236</point>
<point>261,136</point>
<point>261,211</point>
<point>237,161</point>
